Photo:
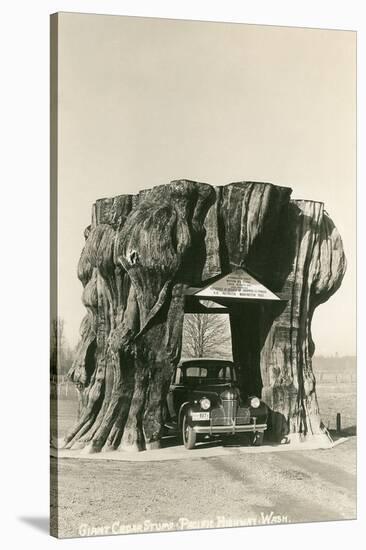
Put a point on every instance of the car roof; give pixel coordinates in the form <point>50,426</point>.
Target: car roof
<point>185,360</point>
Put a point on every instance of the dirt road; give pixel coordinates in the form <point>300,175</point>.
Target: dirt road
<point>107,497</point>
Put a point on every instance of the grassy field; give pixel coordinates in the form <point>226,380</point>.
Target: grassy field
<point>337,390</point>
<point>338,398</point>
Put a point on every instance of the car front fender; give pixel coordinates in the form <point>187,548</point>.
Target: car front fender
<point>184,406</point>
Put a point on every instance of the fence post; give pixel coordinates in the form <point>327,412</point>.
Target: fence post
<point>339,424</point>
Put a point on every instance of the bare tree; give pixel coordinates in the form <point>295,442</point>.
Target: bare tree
<point>61,356</point>
<point>206,335</point>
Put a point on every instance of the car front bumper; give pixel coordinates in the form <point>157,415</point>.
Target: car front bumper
<point>231,429</point>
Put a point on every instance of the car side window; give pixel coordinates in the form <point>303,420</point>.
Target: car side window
<point>196,372</point>
<point>224,373</point>
<point>178,376</point>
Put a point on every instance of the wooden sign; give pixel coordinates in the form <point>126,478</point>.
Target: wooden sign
<point>237,285</point>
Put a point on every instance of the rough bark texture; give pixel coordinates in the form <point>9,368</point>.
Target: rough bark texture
<point>140,254</point>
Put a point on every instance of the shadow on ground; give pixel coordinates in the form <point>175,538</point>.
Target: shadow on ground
<point>41,523</point>
<point>169,441</point>
<point>346,432</point>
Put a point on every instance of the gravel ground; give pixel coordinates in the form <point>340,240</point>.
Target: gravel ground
<point>110,497</point>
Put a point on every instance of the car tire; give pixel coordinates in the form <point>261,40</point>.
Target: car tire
<point>257,439</point>
<point>188,434</point>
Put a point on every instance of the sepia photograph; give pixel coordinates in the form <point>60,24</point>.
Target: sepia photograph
<point>203,275</point>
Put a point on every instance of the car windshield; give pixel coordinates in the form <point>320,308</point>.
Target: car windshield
<point>206,371</point>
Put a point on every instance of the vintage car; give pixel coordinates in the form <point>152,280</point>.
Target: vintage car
<point>204,400</point>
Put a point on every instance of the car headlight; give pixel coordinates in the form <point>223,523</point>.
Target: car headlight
<point>255,402</point>
<point>205,403</point>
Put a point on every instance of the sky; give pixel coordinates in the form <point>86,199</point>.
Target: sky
<point>145,101</point>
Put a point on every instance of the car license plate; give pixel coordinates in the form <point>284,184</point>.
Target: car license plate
<point>201,416</point>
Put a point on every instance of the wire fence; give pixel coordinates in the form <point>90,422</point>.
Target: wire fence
<point>338,420</point>
<point>62,388</point>
<point>337,393</point>
<point>330,378</point>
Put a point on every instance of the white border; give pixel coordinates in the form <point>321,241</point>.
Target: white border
<point>24,217</point>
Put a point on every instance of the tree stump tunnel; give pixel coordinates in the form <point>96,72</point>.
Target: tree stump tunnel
<point>142,252</point>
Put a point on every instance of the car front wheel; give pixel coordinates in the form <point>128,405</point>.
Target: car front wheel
<point>189,435</point>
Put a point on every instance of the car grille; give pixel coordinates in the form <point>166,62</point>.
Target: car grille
<point>225,415</point>
<point>243,416</point>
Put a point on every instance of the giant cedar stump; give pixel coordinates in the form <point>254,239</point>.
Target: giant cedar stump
<point>140,254</point>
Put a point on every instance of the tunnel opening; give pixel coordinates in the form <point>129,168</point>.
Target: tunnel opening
<point>240,300</point>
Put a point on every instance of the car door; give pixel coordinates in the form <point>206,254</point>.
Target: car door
<point>175,393</point>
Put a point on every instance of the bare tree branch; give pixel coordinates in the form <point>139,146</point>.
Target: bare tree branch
<point>206,335</point>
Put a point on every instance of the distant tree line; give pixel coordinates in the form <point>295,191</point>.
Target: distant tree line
<point>62,355</point>
<point>334,363</point>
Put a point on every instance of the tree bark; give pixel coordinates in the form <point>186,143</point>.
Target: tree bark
<point>138,258</point>
<point>317,269</point>
<point>140,254</point>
